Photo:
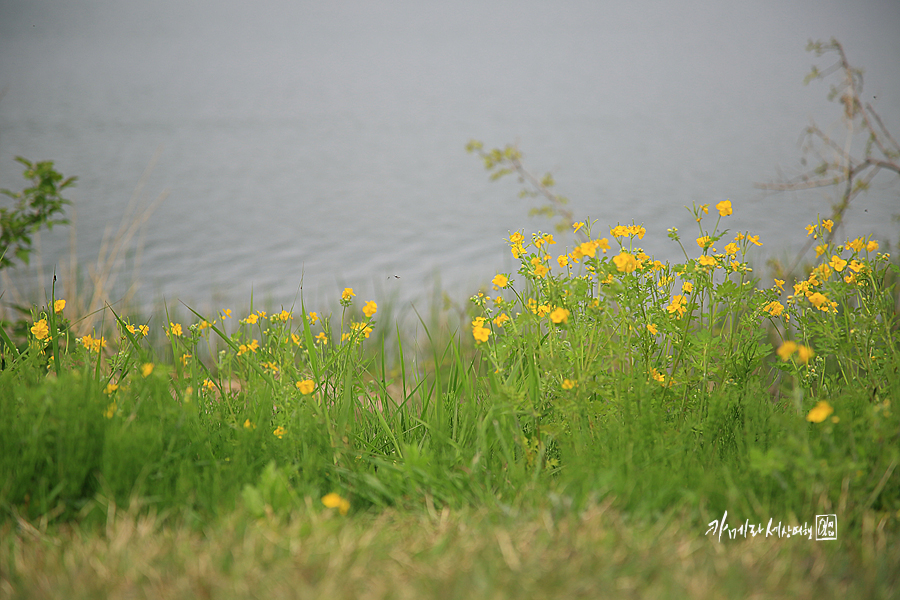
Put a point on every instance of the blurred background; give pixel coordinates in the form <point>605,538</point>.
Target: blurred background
<point>324,141</point>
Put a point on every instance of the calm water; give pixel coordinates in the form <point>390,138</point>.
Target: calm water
<point>326,140</point>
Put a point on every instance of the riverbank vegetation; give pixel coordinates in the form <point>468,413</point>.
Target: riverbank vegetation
<point>598,423</point>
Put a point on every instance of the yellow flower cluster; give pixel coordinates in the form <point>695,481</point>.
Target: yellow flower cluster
<point>93,345</point>
<point>788,348</point>
<point>251,347</point>
<point>628,231</point>
<point>678,305</point>
<point>479,331</point>
<point>333,500</point>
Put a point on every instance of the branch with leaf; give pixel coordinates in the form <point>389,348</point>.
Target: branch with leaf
<point>508,161</point>
<point>836,162</point>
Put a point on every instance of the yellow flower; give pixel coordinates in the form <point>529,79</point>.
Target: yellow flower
<point>577,226</point>
<point>804,353</point>
<point>306,387</point>
<point>479,331</point>
<point>40,329</point>
<point>279,432</point>
<point>724,208</point>
<point>856,245</point>
<point>110,411</point>
<point>568,384</point>
<point>295,338</point>
<point>820,412</point>
<point>754,239</point>
<point>559,315</point>
<point>541,271</point>
<point>202,325</point>
<point>820,250</point>
<point>625,262</point>
<point>501,319</point>
<point>516,239</point>
<point>252,318</point>
<point>226,313</point>
<point>810,229</point>
<point>774,308</point>
<point>313,318</point>
<point>828,224</point>
<point>110,388</point>
<point>59,305</point>
<point>837,263</point>
<point>731,248</point>
<point>500,280</point>
<point>660,377</point>
<point>370,308</point>
<point>704,242</point>
<point>786,350</point>
<point>321,337</point>
<point>208,385</point>
<point>146,369</point>
<point>687,287</point>
<point>872,246</point>
<point>707,261</point>
<point>248,424</point>
<point>818,299</point>
<point>333,500</point>
<point>347,294</point>
<point>562,260</point>
<point>779,283</point>
<point>588,249</point>
<point>652,328</point>
<point>175,329</point>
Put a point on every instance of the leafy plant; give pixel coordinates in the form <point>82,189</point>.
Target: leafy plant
<point>35,207</point>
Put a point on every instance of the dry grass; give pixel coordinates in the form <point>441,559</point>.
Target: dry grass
<point>474,553</point>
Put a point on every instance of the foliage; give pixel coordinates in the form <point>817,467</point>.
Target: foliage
<point>597,371</point>
<point>36,206</point>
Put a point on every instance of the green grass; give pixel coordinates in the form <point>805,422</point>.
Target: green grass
<point>577,433</point>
